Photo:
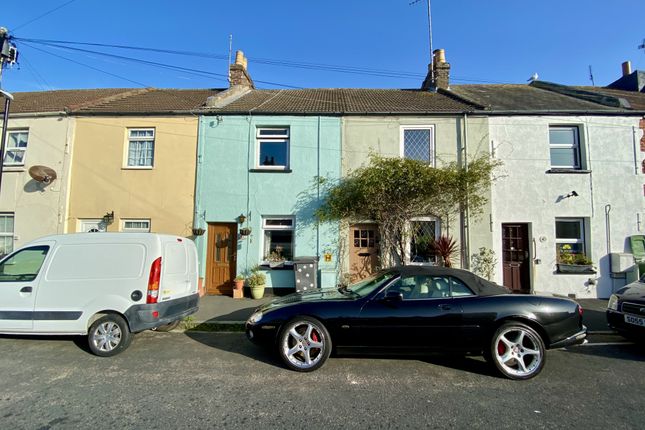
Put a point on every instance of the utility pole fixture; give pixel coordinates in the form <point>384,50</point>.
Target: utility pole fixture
<point>642,46</point>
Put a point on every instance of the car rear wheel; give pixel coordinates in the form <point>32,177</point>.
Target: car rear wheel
<point>109,335</point>
<point>304,344</point>
<point>517,351</point>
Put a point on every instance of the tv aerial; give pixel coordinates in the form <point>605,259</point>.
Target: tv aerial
<point>43,174</point>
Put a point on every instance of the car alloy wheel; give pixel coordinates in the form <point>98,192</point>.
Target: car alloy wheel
<point>304,344</point>
<point>518,351</point>
<point>109,335</point>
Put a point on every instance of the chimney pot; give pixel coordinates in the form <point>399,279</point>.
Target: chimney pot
<point>239,58</point>
<point>439,56</point>
<point>239,75</point>
<point>627,68</point>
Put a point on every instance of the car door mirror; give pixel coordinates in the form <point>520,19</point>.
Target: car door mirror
<point>393,296</point>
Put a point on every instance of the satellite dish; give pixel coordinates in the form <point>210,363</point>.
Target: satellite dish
<point>42,174</point>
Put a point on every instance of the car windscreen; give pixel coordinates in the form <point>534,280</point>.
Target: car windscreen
<point>367,285</point>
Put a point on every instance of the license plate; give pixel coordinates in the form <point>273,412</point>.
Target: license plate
<point>635,320</point>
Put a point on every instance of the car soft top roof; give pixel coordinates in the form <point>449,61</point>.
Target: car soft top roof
<point>481,286</point>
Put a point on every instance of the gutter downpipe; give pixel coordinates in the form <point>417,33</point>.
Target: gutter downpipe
<point>466,226</point>
<point>318,191</point>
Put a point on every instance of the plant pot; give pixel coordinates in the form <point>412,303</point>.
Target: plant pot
<point>257,292</point>
<point>575,268</point>
<point>239,284</point>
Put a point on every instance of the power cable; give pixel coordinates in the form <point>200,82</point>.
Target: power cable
<point>43,15</point>
<point>34,72</point>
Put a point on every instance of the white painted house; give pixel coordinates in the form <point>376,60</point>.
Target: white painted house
<point>571,184</point>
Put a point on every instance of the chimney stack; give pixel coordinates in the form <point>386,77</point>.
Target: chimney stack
<point>438,72</point>
<point>627,68</point>
<point>238,74</point>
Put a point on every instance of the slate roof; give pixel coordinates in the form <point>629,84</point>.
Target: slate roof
<point>112,101</point>
<point>505,98</point>
<point>635,99</point>
<point>343,101</point>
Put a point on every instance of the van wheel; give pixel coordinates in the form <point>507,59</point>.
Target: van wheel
<point>109,335</point>
<point>167,327</point>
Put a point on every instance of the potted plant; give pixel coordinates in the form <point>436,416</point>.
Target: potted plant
<point>256,282</point>
<point>574,263</point>
<point>275,258</point>
<point>446,247</point>
<point>239,282</point>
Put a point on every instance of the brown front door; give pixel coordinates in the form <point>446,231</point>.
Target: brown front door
<point>515,257</point>
<point>363,251</point>
<point>221,258</point>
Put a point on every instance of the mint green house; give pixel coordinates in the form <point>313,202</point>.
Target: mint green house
<point>256,194</point>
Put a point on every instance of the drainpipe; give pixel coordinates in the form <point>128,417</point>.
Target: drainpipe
<point>318,190</point>
<point>466,225</point>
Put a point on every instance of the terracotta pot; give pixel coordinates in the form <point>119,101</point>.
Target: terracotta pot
<point>239,284</point>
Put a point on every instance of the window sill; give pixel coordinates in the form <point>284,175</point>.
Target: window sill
<point>270,170</point>
<point>569,171</point>
<point>137,168</point>
<point>286,265</point>
<point>7,169</point>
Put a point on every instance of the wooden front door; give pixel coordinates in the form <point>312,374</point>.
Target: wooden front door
<point>221,258</point>
<point>516,258</point>
<point>363,251</point>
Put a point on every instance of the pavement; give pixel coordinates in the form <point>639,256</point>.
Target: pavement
<point>217,312</point>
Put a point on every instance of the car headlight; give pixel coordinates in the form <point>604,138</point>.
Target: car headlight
<point>613,302</point>
<point>255,318</point>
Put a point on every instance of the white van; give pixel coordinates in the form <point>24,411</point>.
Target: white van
<point>103,285</point>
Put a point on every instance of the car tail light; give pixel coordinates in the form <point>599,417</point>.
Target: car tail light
<point>580,311</point>
<point>153,281</point>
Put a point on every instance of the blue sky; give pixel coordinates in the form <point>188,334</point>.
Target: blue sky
<point>493,41</point>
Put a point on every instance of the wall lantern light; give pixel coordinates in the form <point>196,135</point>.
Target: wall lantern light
<point>108,218</point>
<point>241,218</point>
<point>198,231</point>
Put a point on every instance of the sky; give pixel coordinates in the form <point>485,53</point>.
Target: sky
<point>367,43</point>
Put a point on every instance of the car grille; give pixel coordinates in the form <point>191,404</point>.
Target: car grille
<point>634,308</point>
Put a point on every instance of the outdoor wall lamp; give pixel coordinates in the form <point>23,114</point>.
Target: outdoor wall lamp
<point>241,218</point>
<point>198,231</point>
<point>108,217</point>
<point>571,194</point>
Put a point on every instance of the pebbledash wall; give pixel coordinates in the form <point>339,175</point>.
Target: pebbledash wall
<point>609,189</point>
<point>228,184</point>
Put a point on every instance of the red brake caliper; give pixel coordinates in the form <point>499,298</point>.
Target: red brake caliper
<point>314,336</point>
<point>500,348</point>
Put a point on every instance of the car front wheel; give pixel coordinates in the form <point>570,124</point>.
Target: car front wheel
<point>304,344</point>
<point>517,351</point>
<point>109,335</point>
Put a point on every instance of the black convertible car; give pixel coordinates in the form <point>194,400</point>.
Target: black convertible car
<point>419,309</point>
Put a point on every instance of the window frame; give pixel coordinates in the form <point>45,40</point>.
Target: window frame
<point>125,229</point>
<point>263,248</point>
<point>46,248</point>
<point>11,235</point>
<point>130,140</point>
<point>581,240</point>
<point>437,233</point>
<point>576,146</point>
<point>15,149</point>
<point>433,154</point>
<point>285,137</point>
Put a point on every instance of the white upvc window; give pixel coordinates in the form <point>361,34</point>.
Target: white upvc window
<point>423,232</point>
<point>141,148</point>
<point>278,236</point>
<point>417,143</point>
<point>6,233</point>
<point>16,147</point>
<point>272,148</point>
<point>135,225</point>
<point>564,146</point>
<point>570,236</point>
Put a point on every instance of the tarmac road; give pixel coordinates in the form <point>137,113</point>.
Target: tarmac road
<point>220,380</point>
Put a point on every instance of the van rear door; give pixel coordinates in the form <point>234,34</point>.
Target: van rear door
<point>19,276</point>
<point>175,270</point>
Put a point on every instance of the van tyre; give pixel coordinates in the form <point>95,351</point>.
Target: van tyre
<point>304,344</point>
<point>109,335</point>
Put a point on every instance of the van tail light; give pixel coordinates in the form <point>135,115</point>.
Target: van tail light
<point>153,281</point>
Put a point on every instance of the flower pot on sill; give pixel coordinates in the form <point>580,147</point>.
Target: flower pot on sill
<point>575,268</point>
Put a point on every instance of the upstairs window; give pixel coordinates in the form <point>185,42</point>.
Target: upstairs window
<point>417,143</point>
<point>16,147</point>
<point>141,148</point>
<point>273,148</point>
<point>564,145</point>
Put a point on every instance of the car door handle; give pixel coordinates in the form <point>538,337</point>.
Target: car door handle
<point>444,307</point>
<point>26,290</point>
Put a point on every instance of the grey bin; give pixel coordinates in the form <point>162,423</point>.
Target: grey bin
<point>305,271</point>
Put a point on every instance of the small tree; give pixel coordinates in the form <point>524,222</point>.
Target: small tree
<point>484,262</point>
<point>393,191</point>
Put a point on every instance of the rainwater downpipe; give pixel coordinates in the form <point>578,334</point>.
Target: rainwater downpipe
<point>248,186</point>
<point>318,189</point>
<point>466,211</point>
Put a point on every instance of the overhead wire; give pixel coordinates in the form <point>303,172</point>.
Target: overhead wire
<point>43,15</point>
